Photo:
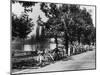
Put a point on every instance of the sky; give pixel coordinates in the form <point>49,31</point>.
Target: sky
<point>18,10</point>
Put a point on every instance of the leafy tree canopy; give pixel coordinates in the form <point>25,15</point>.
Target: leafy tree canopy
<point>21,27</point>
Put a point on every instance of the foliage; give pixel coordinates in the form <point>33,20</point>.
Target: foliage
<point>25,3</point>
<point>21,27</point>
<point>76,23</point>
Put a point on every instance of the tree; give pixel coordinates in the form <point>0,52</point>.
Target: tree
<point>83,20</point>
<point>90,35</point>
<point>21,27</point>
<point>59,18</point>
<point>53,27</point>
<point>72,19</point>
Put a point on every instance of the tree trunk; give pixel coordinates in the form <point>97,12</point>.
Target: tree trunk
<point>56,41</point>
<point>66,23</point>
<point>66,43</point>
<point>79,38</point>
